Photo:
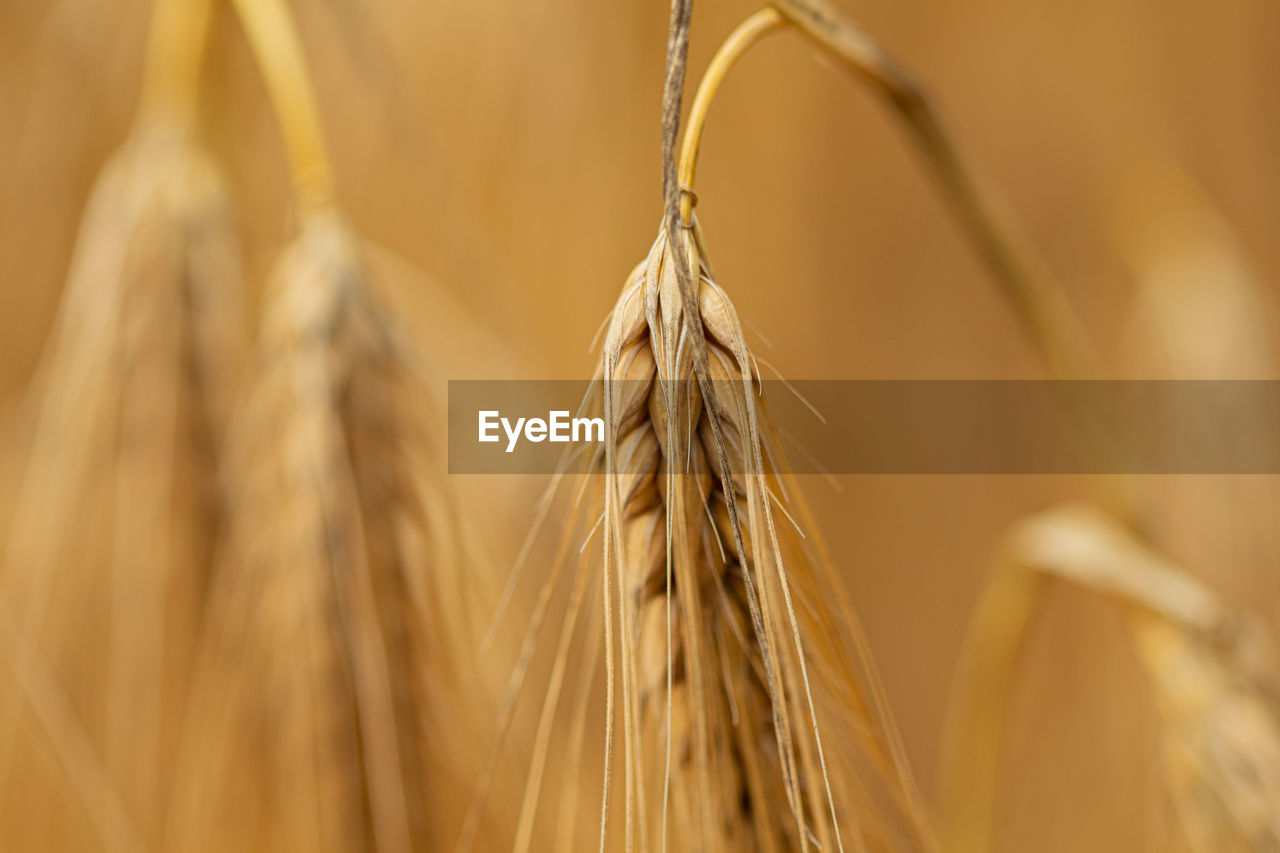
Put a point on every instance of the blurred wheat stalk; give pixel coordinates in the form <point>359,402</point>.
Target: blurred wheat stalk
<point>305,585</point>
<point>111,544</point>
<point>1210,670</point>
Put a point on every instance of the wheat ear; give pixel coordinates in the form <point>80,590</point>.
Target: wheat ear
<point>331,596</point>
<point>339,618</point>
<point>1210,670</point>
<point>119,505</point>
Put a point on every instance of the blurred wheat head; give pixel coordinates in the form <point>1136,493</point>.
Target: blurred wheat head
<point>111,541</point>
<point>341,604</point>
<point>1210,669</point>
<point>230,642</point>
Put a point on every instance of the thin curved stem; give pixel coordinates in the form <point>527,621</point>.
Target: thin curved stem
<point>750,31</point>
<point>274,40</point>
<point>175,54</point>
<point>977,713</point>
<point>1026,282</point>
<point>1024,279</point>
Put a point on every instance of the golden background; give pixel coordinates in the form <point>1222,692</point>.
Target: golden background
<point>511,151</point>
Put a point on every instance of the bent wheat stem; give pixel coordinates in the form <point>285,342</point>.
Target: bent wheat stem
<point>1207,666</point>
<point>1023,277</point>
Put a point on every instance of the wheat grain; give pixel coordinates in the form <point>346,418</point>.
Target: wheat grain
<point>118,510</point>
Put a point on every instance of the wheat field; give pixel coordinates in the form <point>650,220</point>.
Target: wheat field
<point>249,600</point>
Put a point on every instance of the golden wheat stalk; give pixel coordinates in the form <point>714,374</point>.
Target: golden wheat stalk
<point>180,342</point>
<point>323,605</point>
<point>752,717</point>
<point>118,509</point>
<point>1024,279</point>
<point>684,596</point>
<point>732,643</point>
<point>1210,670</point>
<point>340,619</point>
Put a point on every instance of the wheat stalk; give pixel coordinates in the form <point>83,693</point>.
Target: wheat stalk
<point>1209,668</point>
<point>181,339</point>
<point>341,616</point>
<point>1024,279</point>
<point>666,527</point>
<point>112,538</point>
<point>733,644</point>
<point>737,654</point>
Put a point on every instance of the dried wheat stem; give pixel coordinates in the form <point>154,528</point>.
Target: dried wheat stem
<point>278,50</point>
<point>672,97</point>
<point>131,393</point>
<point>975,722</point>
<point>1025,280</point>
<point>680,462</point>
<point>681,259</point>
<point>1209,668</point>
<point>179,346</point>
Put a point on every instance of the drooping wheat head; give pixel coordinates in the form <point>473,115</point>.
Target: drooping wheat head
<point>1211,672</point>
<point>112,539</point>
<point>731,646</point>
<point>341,579</point>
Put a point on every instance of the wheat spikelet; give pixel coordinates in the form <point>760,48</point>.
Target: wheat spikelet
<point>728,620</point>
<point>113,531</point>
